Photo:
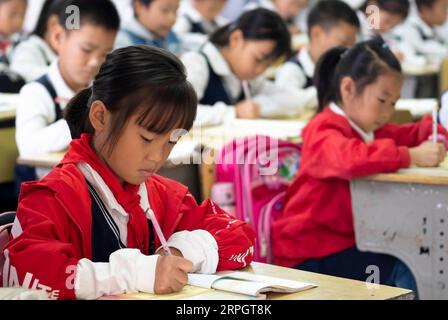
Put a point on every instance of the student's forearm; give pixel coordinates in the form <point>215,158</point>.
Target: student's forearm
<point>54,138</point>
<point>127,271</point>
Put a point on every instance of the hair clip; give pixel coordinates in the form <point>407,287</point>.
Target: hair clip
<point>385,46</point>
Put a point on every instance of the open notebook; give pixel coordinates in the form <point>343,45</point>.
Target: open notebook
<point>247,283</point>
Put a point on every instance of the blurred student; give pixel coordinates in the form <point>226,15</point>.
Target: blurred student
<point>32,56</point>
<point>226,71</point>
<point>151,25</point>
<point>331,23</point>
<point>12,14</point>
<point>40,127</point>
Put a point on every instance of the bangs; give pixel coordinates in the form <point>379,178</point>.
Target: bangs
<point>169,107</point>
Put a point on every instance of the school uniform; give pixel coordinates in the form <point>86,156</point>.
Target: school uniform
<point>218,89</point>
<point>10,81</point>
<point>193,28</point>
<point>31,58</point>
<point>317,221</point>
<point>190,20</point>
<point>134,33</point>
<point>80,234</point>
<point>297,74</point>
<point>422,38</point>
<point>40,127</point>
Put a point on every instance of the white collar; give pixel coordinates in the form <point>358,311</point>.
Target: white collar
<point>63,91</point>
<point>427,30</point>
<point>217,60</point>
<point>366,136</point>
<point>307,63</point>
<point>137,28</point>
<point>190,11</point>
<point>106,194</point>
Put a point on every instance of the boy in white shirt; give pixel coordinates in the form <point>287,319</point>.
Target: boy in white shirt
<point>419,30</point>
<point>197,19</point>
<point>331,23</point>
<point>40,127</point>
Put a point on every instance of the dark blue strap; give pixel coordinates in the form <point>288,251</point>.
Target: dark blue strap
<point>45,81</point>
<point>309,81</point>
<point>196,27</point>
<point>215,90</point>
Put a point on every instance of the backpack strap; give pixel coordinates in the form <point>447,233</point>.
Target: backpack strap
<point>45,81</point>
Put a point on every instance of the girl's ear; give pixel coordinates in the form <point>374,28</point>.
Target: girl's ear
<point>54,32</point>
<point>99,116</point>
<point>57,36</point>
<point>236,39</point>
<point>348,89</point>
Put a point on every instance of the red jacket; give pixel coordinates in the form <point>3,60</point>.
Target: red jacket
<point>318,219</point>
<point>55,216</point>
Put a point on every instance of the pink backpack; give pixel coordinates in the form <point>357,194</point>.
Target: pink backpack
<point>252,175</point>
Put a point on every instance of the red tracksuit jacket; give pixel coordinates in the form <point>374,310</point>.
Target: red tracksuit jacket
<point>318,219</point>
<point>55,216</point>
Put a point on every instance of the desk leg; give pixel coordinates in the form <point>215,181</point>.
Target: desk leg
<point>409,221</point>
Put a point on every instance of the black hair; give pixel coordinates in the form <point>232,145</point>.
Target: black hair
<point>364,63</point>
<point>425,3</point>
<point>50,8</point>
<point>328,13</point>
<point>257,24</point>
<point>142,80</point>
<point>96,12</point>
<point>399,7</point>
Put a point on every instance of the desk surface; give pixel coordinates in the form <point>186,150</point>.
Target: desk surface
<point>433,176</point>
<point>214,137</point>
<point>328,288</point>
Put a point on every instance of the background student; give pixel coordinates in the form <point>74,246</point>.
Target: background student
<point>331,23</point>
<point>12,14</point>
<point>40,127</point>
<point>87,229</point>
<point>350,138</point>
<point>152,25</point>
<point>32,56</point>
<point>239,53</point>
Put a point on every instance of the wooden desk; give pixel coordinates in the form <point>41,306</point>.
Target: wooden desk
<point>328,288</point>
<point>405,214</point>
<point>421,70</point>
<point>8,148</point>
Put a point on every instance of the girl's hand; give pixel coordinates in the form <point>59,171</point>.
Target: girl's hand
<point>171,274</point>
<point>428,154</point>
<point>247,110</point>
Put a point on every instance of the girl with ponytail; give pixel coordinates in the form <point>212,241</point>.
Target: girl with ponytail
<point>349,138</point>
<point>86,229</point>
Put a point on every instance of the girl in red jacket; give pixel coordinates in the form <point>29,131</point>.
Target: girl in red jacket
<point>349,138</point>
<point>84,230</point>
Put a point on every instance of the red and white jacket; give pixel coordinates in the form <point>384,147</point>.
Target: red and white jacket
<point>318,220</point>
<point>52,244</point>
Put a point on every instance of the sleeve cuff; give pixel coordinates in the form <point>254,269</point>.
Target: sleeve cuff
<point>146,271</point>
<point>405,157</point>
<point>199,247</point>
